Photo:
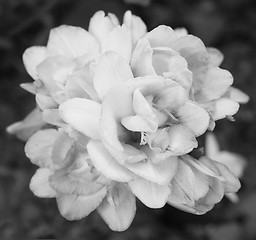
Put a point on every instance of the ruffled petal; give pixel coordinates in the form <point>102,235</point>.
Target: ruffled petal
<point>236,95</point>
<point>212,147</point>
<point>182,186</point>
<point>75,207</point>
<point>137,27</point>
<point>106,164</point>
<point>83,115</point>
<point>100,25</point>
<point>181,140</point>
<point>161,36</point>
<point>28,126</point>
<point>160,173</point>
<point>190,115</point>
<point>45,102</point>
<point>119,40</point>
<point>39,148</point>
<point>110,70</point>
<point>62,148</point>
<point>39,184</point>
<point>32,57</point>
<point>216,83</point>
<point>151,194</point>
<point>141,61</point>
<point>71,42</point>
<point>215,57</point>
<point>222,108</point>
<point>52,116</point>
<point>118,208</point>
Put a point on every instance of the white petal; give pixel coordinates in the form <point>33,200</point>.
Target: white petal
<point>52,116</point>
<point>182,186</point>
<point>109,71</point>
<point>181,140</point>
<point>232,184</point>
<point>28,126</point>
<point>151,194</point>
<point>140,123</point>
<point>71,42</point>
<point>118,208</point>
<point>30,87</point>
<point>45,102</point>
<point>32,57</point>
<point>161,36</point>
<point>119,40</point>
<point>202,167</point>
<point>212,147</point>
<point>39,184</point>
<point>180,32</point>
<point>216,83</point>
<point>75,207</point>
<point>106,164</point>
<point>83,115</point>
<point>222,108</point>
<point>136,25</point>
<point>235,162</point>
<point>190,115</point>
<point>160,173</point>
<point>171,98</point>
<point>39,148</point>
<point>62,148</point>
<point>188,45</point>
<point>215,56</point>
<point>141,61</point>
<point>100,25</point>
<point>237,95</point>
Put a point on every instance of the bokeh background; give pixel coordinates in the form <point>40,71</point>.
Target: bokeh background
<point>229,25</point>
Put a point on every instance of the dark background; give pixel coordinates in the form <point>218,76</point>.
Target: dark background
<point>229,25</point>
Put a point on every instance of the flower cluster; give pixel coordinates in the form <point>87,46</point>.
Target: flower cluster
<point>118,113</point>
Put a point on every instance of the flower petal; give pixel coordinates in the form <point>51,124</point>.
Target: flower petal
<point>215,57</point>
<point>181,140</point>
<point>83,115</point>
<point>75,207</point>
<point>237,95</point>
<point>151,194</point>
<point>137,27</point>
<point>118,208</point>
<point>161,36</point>
<point>160,173</point>
<point>119,40</point>
<point>71,42</point>
<point>32,57</point>
<point>216,83</point>
<point>39,148</point>
<point>100,25</point>
<point>110,70</point>
<point>39,184</point>
<point>182,186</point>
<point>190,115</point>
<point>222,108</point>
<point>62,148</point>
<point>106,164</point>
<point>28,126</point>
<point>141,61</point>
<point>45,102</point>
<point>212,147</point>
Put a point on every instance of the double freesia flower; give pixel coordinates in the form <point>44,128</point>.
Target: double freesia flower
<point>118,113</point>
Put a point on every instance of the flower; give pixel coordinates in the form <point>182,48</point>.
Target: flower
<point>121,110</point>
<point>235,162</point>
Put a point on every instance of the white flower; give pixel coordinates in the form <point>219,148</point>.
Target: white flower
<point>122,109</point>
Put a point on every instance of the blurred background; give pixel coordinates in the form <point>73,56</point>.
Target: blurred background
<point>229,25</point>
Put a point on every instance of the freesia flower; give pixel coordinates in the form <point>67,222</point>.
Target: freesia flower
<point>122,109</point>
